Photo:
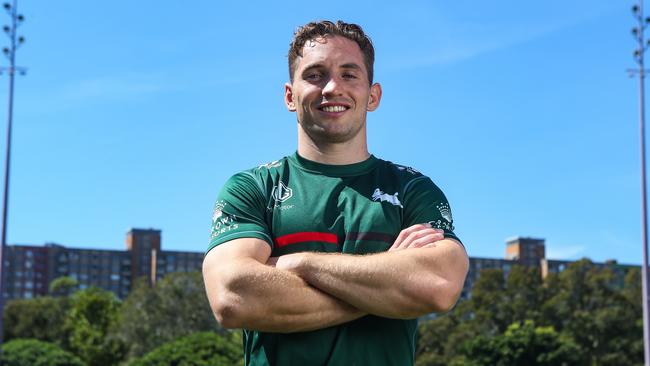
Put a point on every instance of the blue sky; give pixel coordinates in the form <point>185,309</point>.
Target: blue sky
<point>134,113</point>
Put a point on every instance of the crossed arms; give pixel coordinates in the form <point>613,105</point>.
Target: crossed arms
<point>421,273</point>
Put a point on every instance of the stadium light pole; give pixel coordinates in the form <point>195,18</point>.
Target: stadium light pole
<point>638,34</point>
<point>10,53</point>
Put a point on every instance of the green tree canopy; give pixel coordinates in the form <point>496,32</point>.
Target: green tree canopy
<point>92,315</point>
<point>175,307</point>
<point>521,345</point>
<point>39,318</point>
<point>32,352</point>
<point>63,286</point>
<point>199,349</point>
<point>589,306</point>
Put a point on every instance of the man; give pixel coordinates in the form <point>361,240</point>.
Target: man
<point>328,256</point>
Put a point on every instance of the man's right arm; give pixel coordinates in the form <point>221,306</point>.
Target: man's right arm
<point>246,293</point>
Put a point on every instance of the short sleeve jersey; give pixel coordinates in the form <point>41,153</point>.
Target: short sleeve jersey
<point>299,205</point>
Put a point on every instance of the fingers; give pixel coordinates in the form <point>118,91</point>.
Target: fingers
<point>406,232</point>
<point>417,236</point>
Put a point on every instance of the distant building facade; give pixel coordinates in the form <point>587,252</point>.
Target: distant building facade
<point>529,252</point>
<point>29,269</point>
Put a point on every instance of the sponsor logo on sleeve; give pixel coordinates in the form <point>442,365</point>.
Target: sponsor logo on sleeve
<point>379,195</point>
<point>221,221</point>
<point>445,212</point>
<point>446,222</point>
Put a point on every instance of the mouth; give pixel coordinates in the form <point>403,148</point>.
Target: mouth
<point>333,108</point>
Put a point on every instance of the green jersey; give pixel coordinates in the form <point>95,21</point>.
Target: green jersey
<point>298,205</point>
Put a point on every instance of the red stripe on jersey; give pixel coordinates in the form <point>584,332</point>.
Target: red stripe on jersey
<point>304,237</point>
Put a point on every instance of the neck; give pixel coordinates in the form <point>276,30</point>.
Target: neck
<point>339,153</point>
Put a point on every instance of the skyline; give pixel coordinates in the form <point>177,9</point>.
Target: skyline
<point>131,115</point>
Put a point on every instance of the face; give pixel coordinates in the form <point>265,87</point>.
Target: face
<point>330,92</point>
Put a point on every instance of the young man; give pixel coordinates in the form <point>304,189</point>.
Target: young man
<point>328,256</point>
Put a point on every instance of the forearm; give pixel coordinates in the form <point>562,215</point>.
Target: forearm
<point>260,297</point>
<point>397,284</point>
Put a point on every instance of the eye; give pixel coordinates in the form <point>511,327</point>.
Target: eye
<point>349,76</point>
<point>313,76</point>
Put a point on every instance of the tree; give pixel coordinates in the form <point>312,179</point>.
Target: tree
<point>31,352</point>
<point>152,316</point>
<point>521,345</point>
<point>523,294</point>
<point>92,315</point>
<point>488,298</point>
<point>63,286</point>
<point>199,349</point>
<point>39,318</point>
<point>588,305</point>
<point>439,339</point>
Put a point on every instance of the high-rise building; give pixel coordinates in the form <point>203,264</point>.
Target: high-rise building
<point>30,269</point>
<point>529,252</point>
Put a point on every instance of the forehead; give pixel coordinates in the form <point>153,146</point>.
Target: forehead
<point>330,51</point>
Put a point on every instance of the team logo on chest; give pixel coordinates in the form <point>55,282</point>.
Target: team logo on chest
<point>281,192</point>
<point>379,195</point>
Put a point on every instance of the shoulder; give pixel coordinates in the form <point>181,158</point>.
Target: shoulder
<point>262,171</point>
<point>258,177</point>
<point>411,180</point>
<point>405,174</point>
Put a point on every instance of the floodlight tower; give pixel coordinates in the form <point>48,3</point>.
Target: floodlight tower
<point>638,34</point>
<point>10,52</point>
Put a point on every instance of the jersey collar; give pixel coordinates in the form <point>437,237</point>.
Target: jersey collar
<point>333,170</point>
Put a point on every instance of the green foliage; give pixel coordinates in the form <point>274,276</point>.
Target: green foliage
<point>31,352</point>
<point>522,345</point>
<point>63,286</point>
<point>175,307</point>
<point>199,349</point>
<point>92,315</point>
<point>603,319</point>
<point>39,318</point>
<point>586,311</point>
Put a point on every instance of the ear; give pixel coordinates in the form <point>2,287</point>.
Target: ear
<point>375,97</point>
<point>288,98</point>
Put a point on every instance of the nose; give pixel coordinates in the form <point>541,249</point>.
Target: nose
<point>332,87</point>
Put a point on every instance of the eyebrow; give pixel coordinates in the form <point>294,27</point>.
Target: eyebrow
<point>349,65</point>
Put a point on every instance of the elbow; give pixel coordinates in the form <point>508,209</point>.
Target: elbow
<point>447,300</point>
<point>227,312</point>
<point>442,297</point>
<point>226,302</point>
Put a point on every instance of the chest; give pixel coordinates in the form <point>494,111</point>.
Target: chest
<point>329,214</point>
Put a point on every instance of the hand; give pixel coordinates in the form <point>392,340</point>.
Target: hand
<point>417,236</point>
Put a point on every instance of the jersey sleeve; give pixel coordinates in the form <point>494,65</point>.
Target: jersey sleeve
<point>425,202</point>
<point>239,212</point>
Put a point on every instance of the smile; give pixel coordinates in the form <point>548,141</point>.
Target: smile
<point>333,108</point>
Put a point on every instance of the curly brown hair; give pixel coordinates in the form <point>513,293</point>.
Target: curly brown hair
<point>324,28</point>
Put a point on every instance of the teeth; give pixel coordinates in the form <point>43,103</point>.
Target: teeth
<point>334,108</point>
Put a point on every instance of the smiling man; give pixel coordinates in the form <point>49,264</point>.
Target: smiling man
<point>329,255</point>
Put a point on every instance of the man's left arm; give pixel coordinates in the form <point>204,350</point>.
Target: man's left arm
<point>396,284</point>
